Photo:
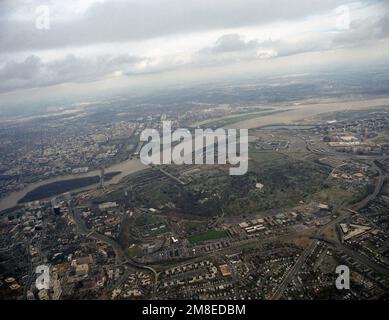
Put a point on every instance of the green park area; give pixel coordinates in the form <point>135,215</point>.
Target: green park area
<point>209,235</point>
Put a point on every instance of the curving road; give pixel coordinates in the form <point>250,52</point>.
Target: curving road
<point>121,257</point>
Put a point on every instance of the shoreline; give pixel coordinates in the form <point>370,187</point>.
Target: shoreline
<point>126,168</point>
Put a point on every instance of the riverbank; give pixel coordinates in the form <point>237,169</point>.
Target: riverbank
<point>125,168</point>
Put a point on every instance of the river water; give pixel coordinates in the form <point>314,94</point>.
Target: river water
<point>294,113</point>
<point>126,167</point>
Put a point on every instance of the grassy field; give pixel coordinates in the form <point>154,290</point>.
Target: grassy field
<point>134,251</point>
<point>260,157</point>
<point>333,194</point>
<point>209,235</point>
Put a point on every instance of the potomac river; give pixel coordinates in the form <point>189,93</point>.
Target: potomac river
<point>125,168</point>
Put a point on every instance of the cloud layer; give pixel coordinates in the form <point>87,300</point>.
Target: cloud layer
<point>96,39</point>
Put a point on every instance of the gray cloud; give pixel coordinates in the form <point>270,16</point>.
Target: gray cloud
<point>234,48</point>
<point>122,21</point>
<point>25,70</point>
<point>131,20</point>
<point>232,43</point>
<point>35,73</point>
<point>364,30</point>
<point>385,25</point>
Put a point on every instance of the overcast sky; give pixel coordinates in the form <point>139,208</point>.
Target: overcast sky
<point>127,42</point>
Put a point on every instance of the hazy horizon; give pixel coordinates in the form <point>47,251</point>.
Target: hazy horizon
<point>120,46</point>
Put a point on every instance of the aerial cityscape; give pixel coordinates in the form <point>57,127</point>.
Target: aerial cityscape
<point>84,217</point>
